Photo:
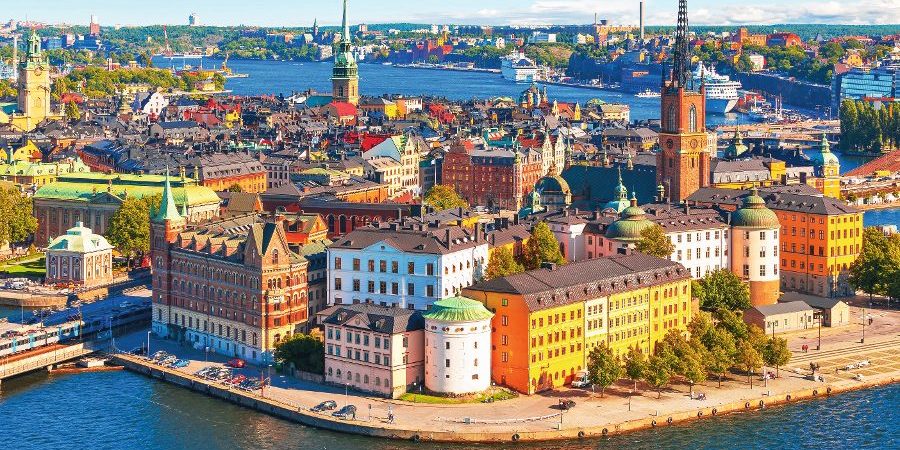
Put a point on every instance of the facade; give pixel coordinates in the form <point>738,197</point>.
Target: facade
<point>373,348</point>
<point>404,264</point>
<point>405,150</point>
<point>221,171</point>
<point>754,249</point>
<point>37,174</point>
<point>232,285</point>
<point>457,346</point>
<point>345,75</point>
<point>489,176</point>
<point>33,86</point>
<point>547,320</point>
<point>833,312</point>
<point>79,257</point>
<point>864,82</point>
<point>781,317</point>
<point>92,198</point>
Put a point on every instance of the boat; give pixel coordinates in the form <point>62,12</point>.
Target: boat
<point>520,69</point>
<point>647,93</point>
<point>721,91</point>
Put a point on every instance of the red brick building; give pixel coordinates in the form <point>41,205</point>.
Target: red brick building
<point>495,177</point>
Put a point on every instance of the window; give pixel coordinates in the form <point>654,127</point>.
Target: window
<point>371,265</point>
<point>395,267</point>
<point>337,284</point>
<point>447,362</point>
<point>355,285</point>
<point>356,264</point>
<point>410,267</point>
<point>692,117</point>
<point>382,266</point>
<point>429,269</point>
<point>504,320</point>
<point>337,263</point>
<point>429,290</point>
<point>410,289</point>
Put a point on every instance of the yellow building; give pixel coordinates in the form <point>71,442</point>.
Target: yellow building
<point>38,174</point>
<point>828,169</point>
<point>26,153</point>
<point>34,90</point>
<point>546,320</point>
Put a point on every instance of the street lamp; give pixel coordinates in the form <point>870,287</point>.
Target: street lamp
<point>818,315</point>
<point>863,340</point>
<point>148,343</point>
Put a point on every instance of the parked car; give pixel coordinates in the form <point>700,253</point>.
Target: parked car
<point>581,380</point>
<point>347,412</point>
<point>863,363</point>
<point>327,405</point>
<point>179,363</point>
<point>237,363</point>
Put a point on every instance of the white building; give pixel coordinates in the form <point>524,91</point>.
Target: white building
<point>79,257</point>
<point>149,103</point>
<point>539,37</point>
<point>457,346</point>
<point>407,150</point>
<point>754,249</point>
<point>408,265</point>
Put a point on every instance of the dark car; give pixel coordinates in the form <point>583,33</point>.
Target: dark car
<point>327,405</point>
<point>347,412</point>
<point>566,405</point>
<point>237,363</point>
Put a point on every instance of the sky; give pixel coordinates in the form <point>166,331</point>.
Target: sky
<point>483,12</point>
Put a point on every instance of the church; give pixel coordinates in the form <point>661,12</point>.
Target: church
<point>33,105</point>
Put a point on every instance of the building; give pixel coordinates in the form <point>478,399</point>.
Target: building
<point>457,346</point>
<point>405,150</point>
<point>491,176</point>
<point>223,171</point>
<point>781,317</point>
<point>92,198</point>
<point>882,82</point>
<point>34,86</point>
<point>783,40</point>
<point>404,264</point>
<point>831,311</point>
<point>547,320</point>
<point>683,161</point>
<point>373,348</point>
<point>231,285</point>
<point>754,249</point>
<point>37,174</point>
<point>345,75</point>
<point>79,257</point>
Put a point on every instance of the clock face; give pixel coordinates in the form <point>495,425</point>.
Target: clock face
<point>38,70</point>
<point>670,143</point>
<point>694,143</point>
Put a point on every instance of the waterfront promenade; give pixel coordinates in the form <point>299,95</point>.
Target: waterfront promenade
<point>537,418</point>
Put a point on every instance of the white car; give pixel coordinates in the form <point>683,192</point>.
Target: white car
<point>863,363</point>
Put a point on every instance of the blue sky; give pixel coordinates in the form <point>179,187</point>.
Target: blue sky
<point>302,12</point>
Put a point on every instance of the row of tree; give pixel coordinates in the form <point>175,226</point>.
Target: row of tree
<point>718,342</point>
<point>867,128</point>
<point>877,269</point>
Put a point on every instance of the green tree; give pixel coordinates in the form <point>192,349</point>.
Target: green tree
<point>777,353</point>
<point>654,242</point>
<point>72,112</point>
<point>305,352</point>
<point>867,273</point>
<point>443,196</point>
<point>604,368</point>
<point>541,247</point>
<point>721,289</point>
<point>129,227</point>
<point>749,358</point>
<point>657,374</point>
<point>635,365</point>
<point>16,219</point>
<point>235,188</point>
<point>721,352</point>
<point>502,264</point>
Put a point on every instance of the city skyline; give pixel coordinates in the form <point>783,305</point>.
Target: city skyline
<point>495,12</point>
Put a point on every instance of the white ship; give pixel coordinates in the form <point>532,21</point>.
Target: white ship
<point>721,92</point>
<point>648,94</point>
<point>516,67</point>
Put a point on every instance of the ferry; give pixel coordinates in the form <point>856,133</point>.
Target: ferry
<point>721,91</point>
<point>648,94</point>
<point>520,69</point>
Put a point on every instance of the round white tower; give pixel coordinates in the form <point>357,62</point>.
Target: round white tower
<point>754,249</point>
<point>457,346</point>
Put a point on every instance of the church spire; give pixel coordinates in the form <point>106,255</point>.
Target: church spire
<point>345,26</point>
<point>681,72</point>
<point>168,209</point>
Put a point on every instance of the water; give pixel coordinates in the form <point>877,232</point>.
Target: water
<point>122,410</point>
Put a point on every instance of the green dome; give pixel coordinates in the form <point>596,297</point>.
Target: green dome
<point>629,228</point>
<point>552,184</point>
<point>458,309</point>
<point>825,156</point>
<point>754,214</point>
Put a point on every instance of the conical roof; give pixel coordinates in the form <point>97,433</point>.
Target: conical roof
<point>458,309</point>
<point>168,209</point>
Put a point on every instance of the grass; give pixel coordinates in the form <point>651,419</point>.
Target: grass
<point>497,395</point>
<point>34,267</point>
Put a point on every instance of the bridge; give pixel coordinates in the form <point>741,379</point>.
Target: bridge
<point>43,358</point>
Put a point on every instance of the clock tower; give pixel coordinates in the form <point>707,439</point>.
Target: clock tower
<point>683,162</point>
<point>34,84</point>
<point>345,74</point>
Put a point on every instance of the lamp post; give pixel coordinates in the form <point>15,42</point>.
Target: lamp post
<point>818,316</point>
<point>148,343</point>
<point>863,340</point>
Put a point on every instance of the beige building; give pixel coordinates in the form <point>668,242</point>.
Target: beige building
<point>781,317</point>
<point>79,257</point>
<point>834,312</point>
<point>374,348</point>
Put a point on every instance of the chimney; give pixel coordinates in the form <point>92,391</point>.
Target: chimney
<point>548,265</point>
<point>447,236</point>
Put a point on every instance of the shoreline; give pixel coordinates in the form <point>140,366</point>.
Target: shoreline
<point>877,206</point>
<point>511,433</point>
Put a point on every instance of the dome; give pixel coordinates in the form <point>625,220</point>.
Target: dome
<point>825,156</point>
<point>754,214</point>
<point>737,147</point>
<point>80,239</point>
<point>552,184</point>
<point>458,309</point>
<point>620,197</point>
<point>633,222</point>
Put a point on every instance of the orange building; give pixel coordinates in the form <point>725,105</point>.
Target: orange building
<point>547,320</point>
<point>222,171</point>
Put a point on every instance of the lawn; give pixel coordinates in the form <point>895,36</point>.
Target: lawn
<point>32,268</point>
<point>497,395</point>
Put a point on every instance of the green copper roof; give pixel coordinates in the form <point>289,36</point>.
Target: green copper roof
<point>80,239</point>
<point>84,187</point>
<point>458,309</point>
<point>168,210</point>
<point>629,227</point>
<point>754,213</point>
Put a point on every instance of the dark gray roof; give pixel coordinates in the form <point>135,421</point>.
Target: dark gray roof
<point>579,281</point>
<point>776,199</point>
<point>380,319</point>
<point>411,238</point>
<point>783,308</point>
<point>821,302</point>
<point>178,124</point>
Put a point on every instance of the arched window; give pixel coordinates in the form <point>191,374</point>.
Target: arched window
<point>692,116</point>
<point>671,123</point>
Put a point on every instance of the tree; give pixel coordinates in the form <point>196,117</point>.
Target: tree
<point>654,242</point>
<point>541,247</point>
<point>502,264</point>
<point>657,374</point>
<point>72,111</point>
<point>733,323</point>
<point>684,357</point>
<point>443,196</point>
<point>603,367</point>
<point>721,352</point>
<point>867,272</point>
<point>635,365</point>
<point>305,352</point>
<point>235,188</point>
<point>129,227</point>
<point>749,359</point>
<point>776,353</point>
<point>722,289</point>
<point>16,219</point>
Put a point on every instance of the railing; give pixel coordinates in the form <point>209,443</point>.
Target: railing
<point>43,360</point>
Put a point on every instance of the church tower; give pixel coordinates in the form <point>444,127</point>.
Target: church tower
<point>682,164</point>
<point>33,86</point>
<point>345,75</point>
<point>165,225</point>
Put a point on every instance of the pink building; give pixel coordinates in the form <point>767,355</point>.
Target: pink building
<point>374,348</point>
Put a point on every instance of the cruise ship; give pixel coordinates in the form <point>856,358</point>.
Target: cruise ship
<point>516,67</point>
<point>721,92</point>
